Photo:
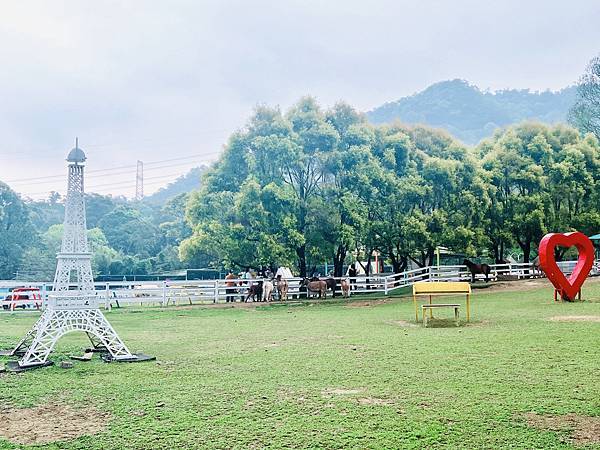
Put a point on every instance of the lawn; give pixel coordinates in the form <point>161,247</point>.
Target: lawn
<point>336,375</point>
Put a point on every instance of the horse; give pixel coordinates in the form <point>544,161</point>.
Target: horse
<point>331,283</point>
<point>317,286</point>
<point>282,288</point>
<point>478,268</point>
<point>345,283</point>
<point>267,291</point>
<point>255,292</point>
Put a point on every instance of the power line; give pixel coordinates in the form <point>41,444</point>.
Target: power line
<point>120,184</point>
<point>130,182</point>
<point>23,180</point>
<point>128,172</point>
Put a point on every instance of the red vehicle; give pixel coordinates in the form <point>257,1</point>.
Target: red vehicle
<point>23,297</point>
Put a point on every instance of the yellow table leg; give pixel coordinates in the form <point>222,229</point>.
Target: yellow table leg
<point>468,307</point>
<point>430,309</point>
<point>416,308</point>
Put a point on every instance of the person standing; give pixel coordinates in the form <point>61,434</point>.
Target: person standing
<point>245,284</point>
<point>352,275</point>
<point>230,287</point>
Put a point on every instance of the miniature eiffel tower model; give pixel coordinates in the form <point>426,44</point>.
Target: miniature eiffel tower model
<point>71,309</point>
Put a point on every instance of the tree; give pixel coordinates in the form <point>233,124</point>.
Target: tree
<point>257,203</point>
<point>128,232</point>
<point>540,179</point>
<point>585,113</point>
<point>46,213</point>
<point>97,206</point>
<point>16,232</point>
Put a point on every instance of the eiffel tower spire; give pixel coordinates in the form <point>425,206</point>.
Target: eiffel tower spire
<point>73,304</point>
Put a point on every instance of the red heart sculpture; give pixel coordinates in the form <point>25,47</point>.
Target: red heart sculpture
<point>568,287</point>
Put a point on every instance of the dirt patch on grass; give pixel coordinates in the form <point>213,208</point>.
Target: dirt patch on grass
<point>518,285</point>
<point>330,392</point>
<point>575,319</point>
<point>50,423</point>
<point>367,303</point>
<point>584,429</point>
<point>403,323</point>
<point>368,401</point>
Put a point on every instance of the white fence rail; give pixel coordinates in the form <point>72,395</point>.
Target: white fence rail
<point>166,293</point>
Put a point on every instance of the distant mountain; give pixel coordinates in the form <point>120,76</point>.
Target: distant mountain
<point>186,183</point>
<point>471,114</point>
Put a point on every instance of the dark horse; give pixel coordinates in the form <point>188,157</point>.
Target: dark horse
<point>255,292</point>
<point>477,268</point>
<point>331,283</point>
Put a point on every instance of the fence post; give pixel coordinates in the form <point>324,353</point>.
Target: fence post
<point>44,295</point>
<point>107,305</point>
<point>216,297</point>
<point>385,285</point>
<point>164,294</point>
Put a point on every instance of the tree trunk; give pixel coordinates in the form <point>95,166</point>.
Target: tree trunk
<point>526,251</point>
<point>301,252</point>
<point>338,261</point>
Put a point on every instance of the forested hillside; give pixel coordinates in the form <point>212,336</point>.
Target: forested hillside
<point>470,114</point>
<point>185,183</point>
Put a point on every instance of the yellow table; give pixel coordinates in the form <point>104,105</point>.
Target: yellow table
<point>431,288</point>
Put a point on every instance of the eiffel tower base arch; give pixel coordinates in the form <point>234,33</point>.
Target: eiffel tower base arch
<point>39,342</point>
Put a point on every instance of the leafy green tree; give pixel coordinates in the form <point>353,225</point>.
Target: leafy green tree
<point>585,114</point>
<point>256,206</point>
<point>16,232</point>
<point>45,213</point>
<point>540,179</point>
<point>97,206</point>
<point>129,232</point>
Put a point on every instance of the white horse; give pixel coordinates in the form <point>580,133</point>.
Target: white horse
<point>267,291</point>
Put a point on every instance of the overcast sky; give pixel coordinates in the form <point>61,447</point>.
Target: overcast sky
<point>158,80</point>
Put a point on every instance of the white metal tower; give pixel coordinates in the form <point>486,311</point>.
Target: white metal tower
<point>72,305</point>
<point>139,181</point>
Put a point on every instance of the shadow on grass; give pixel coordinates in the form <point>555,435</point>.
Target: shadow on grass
<point>450,323</point>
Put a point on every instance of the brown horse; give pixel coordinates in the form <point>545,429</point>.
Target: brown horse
<point>319,286</point>
<point>282,288</point>
<point>477,268</point>
<point>255,292</point>
<point>331,283</point>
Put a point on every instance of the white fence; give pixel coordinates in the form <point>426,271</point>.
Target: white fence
<point>166,293</point>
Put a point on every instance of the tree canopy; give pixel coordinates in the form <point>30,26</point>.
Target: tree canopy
<point>310,186</point>
<point>585,113</point>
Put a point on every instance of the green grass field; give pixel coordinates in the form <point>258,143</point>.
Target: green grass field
<point>330,375</point>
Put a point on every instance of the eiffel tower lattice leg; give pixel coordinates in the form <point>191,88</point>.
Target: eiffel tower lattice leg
<point>25,342</point>
<point>55,323</point>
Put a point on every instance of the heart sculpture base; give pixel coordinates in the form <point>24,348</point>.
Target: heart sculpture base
<point>560,295</point>
<point>571,287</point>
